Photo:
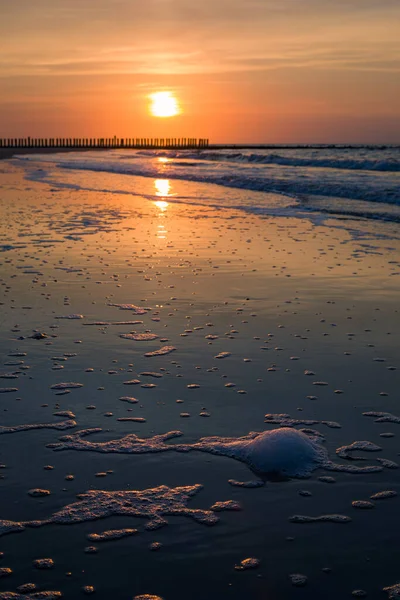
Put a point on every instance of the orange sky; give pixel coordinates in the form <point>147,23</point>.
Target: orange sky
<point>242,70</point>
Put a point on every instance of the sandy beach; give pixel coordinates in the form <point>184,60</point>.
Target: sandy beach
<point>125,317</point>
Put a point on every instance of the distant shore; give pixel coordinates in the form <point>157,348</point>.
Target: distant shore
<point>10,152</point>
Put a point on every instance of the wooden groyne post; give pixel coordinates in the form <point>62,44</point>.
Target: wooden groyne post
<point>106,143</point>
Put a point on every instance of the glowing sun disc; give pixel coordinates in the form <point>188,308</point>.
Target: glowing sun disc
<point>163,104</point>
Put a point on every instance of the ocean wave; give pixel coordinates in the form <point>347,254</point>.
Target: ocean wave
<point>260,181</point>
<point>392,165</point>
<point>292,158</point>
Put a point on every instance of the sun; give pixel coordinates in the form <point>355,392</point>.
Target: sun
<point>164,104</point>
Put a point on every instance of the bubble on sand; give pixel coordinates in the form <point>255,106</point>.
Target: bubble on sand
<point>111,534</point>
<point>139,337</point>
<point>71,317</point>
<point>60,425</point>
<point>69,385</point>
<point>8,390</point>
<point>247,563</point>
<point>358,593</point>
<point>132,382</point>
<point>334,518</point>
<point>282,451</point>
<point>298,579</point>
<point>161,351</point>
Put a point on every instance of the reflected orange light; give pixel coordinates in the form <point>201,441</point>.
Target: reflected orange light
<point>163,159</point>
<point>162,205</point>
<point>162,186</point>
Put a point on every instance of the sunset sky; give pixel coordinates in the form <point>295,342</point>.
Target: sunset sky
<point>241,70</point>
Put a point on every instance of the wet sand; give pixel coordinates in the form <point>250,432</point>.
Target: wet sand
<point>265,324</point>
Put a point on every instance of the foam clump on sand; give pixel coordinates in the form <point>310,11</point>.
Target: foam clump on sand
<point>137,310</point>
<point>139,337</point>
<point>320,519</point>
<point>10,527</point>
<point>283,451</point>
<point>247,563</point>
<point>69,424</point>
<point>67,385</point>
<point>50,595</point>
<point>153,504</point>
<point>384,494</point>
<point>246,484</point>
<point>393,591</point>
<point>365,446</point>
<point>383,417</point>
<point>284,420</point>
<point>161,352</point>
<point>111,534</point>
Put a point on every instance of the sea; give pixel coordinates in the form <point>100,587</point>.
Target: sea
<point>362,181</point>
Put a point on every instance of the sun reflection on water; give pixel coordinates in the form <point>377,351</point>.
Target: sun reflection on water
<point>163,188</point>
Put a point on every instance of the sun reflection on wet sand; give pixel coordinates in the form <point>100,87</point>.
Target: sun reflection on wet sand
<point>162,205</point>
<point>163,187</point>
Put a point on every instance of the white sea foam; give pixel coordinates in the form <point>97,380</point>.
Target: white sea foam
<point>152,504</point>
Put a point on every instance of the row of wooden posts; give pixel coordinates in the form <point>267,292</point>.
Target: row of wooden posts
<point>103,143</point>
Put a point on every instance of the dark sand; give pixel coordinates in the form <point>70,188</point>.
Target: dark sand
<point>284,297</point>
